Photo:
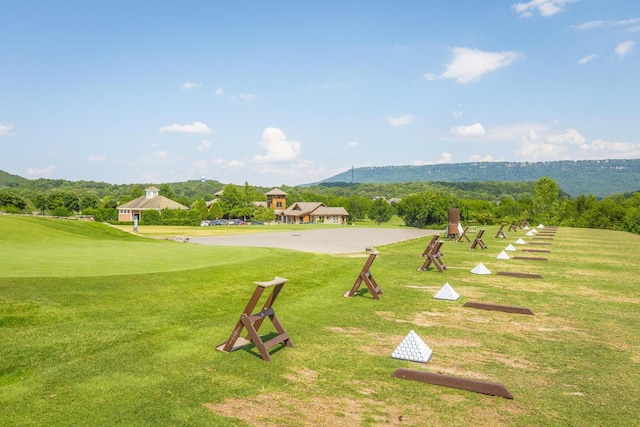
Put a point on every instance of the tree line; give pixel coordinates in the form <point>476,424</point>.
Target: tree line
<point>418,204</point>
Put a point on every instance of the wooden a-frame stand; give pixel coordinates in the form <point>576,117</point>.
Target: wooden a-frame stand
<point>252,322</point>
<point>500,233</point>
<point>366,277</point>
<point>464,235</point>
<point>478,240</point>
<point>429,247</point>
<point>434,257</point>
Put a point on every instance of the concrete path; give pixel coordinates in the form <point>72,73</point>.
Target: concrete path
<point>323,240</point>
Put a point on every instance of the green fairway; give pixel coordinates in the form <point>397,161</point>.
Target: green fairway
<point>112,339</point>
<point>51,247</point>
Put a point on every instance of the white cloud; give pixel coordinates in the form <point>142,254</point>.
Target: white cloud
<point>601,149</point>
<point>6,130</point>
<point>587,59</point>
<point>536,147</point>
<point>204,145</point>
<point>591,25</point>
<point>400,120</point>
<point>353,144</point>
<point>481,158</point>
<point>459,112</point>
<point>633,29</point>
<point>468,65</point>
<point>571,145</point>
<point>247,97</point>
<point>161,155</point>
<point>190,85</point>
<point>513,132</point>
<point>41,173</point>
<point>195,127</point>
<point>444,158</point>
<point>219,91</point>
<point>544,7</point>
<point>279,148</point>
<point>97,158</point>
<point>624,48</point>
<point>475,130</point>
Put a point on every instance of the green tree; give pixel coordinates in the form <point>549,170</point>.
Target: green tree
<point>264,214</point>
<point>60,211</point>
<point>632,220</point>
<point>200,206</point>
<point>166,191</point>
<point>234,203</point>
<point>136,192</point>
<point>215,211</point>
<point>88,200</point>
<point>381,211</point>
<point>108,202</point>
<point>545,199</point>
<point>151,217</point>
<point>358,207</point>
<point>9,198</point>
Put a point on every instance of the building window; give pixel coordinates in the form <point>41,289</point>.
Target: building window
<point>278,204</point>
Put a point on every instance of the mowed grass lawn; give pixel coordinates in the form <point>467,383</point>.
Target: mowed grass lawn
<point>102,328</point>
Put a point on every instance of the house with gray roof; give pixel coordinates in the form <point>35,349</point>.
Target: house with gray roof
<point>150,201</point>
<point>313,212</point>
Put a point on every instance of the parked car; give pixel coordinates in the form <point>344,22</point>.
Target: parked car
<point>219,222</point>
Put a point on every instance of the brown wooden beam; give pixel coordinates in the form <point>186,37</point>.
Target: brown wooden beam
<point>529,258</point>
<point>521,275</point>
<point>484,387</point>
<point>497,307</point>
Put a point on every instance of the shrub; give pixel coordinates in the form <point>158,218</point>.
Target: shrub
<point>60,211</point>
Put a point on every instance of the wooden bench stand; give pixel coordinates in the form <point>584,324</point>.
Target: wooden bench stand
<point>252,322</point>
<point>434,257</point>
<point>478,240</point>
<point>513,227</point>
<point>366,277</point>
<point>500,233</point>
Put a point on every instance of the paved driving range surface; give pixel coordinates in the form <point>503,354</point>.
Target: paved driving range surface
<point>325,240</point>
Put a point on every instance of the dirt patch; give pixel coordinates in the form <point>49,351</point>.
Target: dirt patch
<point>302,375</point>
<point>346,331</point>
<point>515,363</point>
<point>287,410</point>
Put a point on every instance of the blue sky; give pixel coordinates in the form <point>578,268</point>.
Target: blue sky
<point>291,92</point>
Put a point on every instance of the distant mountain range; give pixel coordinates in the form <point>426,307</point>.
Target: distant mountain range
<point>600,178</point>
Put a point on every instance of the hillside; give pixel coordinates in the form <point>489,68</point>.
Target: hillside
<point>600,178</point>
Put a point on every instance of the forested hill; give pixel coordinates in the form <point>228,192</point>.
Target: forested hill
<point>599,178</point>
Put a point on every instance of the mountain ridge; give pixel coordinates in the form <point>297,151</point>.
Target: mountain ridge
<point>599,178</point>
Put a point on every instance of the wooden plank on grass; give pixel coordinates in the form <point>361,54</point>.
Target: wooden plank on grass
<point>521,275</point>
<point>498,307</point>
<point>484,387</point>
<point>529,258</point>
